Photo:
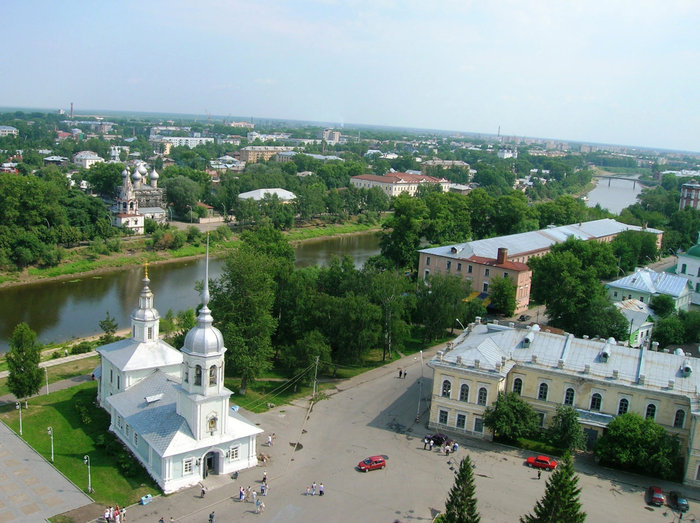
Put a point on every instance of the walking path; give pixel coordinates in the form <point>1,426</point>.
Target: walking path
<point>31,489</point>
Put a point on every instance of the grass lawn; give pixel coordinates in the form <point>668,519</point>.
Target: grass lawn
<point>63,371</point>
<point>73,439</point>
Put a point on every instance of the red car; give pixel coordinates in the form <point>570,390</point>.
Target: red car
<point>371,463</point>
<point>541,462</point>
<point>655,496</point>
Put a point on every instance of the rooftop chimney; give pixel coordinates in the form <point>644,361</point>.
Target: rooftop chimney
<point>502,255</point>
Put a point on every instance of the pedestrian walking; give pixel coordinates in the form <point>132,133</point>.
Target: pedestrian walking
<point>308,491</point>
<point>425,443</point>
<point>431,443</point>
<point>111,513</point>
<point>447,450</point>
<point>404,374</point>
<point>262,507</point>
<point>254,495</point>
<point>161,520</point>
<point>257,506</point>
<point>172,520</point>
<point>269,440</point>
<point>400,373</point>
<point>241,494</point>
<point>265,477</point>
<point>247,493</point>
<point>204,491</point>
<point>539,474</point>
<point>313,488</point>
<point>123,515</point>
<point>211,517</point>
<point>320,489</point>
<point>106,514</point>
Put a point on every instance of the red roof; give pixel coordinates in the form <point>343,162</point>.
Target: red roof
<point>510,265</point>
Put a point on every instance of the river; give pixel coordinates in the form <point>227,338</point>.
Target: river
<point>67,309</point>
<point>614,194</point>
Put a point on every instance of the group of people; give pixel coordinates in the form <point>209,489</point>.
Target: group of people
<point>445,448</point>
<point>402,373</point>
<point>314,489</point>
<point>115,514</point>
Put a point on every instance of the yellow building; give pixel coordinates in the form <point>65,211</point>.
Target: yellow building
<point>597,377</point>
<point>255,153</point>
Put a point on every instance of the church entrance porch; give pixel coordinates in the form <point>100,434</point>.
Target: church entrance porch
<point>211,463</point>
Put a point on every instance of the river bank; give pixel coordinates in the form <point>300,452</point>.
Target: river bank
<point>137,254</point>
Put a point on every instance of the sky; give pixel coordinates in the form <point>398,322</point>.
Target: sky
<point>620,72</point>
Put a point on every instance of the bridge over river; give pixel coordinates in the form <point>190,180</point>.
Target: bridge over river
<point>611,177</point>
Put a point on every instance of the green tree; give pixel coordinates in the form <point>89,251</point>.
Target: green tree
<point>109,326</point>
<point>633,443</point>
<point>183,193</point>
<point>303,354</point>
<point>390,290</point>
<point>662,305</point>
<point>668,331</point>
<point>439,301</point>
<point>402,231</point>
<point>242,301</point>
<point>565,430</point>
<point>105,178</point>
<point>23,358</point>
<point>511,417</point>
<point>561,501</point>
<point>502,293</point>
<point>460,506</point>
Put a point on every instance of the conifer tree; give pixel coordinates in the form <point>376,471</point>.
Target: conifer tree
<point>561,497</point>
<point>461,503</point>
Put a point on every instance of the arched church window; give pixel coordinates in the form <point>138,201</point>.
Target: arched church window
<point>186,378</point>
<point>212,375</point>
<point>212,424</point>
<point>198,375</point>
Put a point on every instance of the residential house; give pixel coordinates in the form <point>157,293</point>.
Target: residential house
<point>645,283</point>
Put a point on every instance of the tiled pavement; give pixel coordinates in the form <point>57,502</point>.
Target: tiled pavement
<point>31,490</point>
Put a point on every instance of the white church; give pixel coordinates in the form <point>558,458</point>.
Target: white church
<point>170,407</point>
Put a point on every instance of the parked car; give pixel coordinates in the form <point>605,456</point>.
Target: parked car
<point>439,439</point>
<point>372,463</point>
<point>523,317</point>
<point>677,501</point>
<point>655,496</point>
<point>541,462</point>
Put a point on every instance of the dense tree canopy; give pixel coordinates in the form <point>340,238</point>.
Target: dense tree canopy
<point>633,443</point>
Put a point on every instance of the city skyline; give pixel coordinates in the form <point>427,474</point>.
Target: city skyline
<point>600,72</point>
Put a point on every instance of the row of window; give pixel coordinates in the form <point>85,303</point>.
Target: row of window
<point>213,372</point>
<point>461,421</point>
<point>481,398</point>
<point>597,402</point>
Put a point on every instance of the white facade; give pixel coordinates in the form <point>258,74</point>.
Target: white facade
<point>689,267</point>
<point>86,159</point>
<point>170,407</point>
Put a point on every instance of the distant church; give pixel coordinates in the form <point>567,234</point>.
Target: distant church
<point>138,198</point>
<point>170,407</point>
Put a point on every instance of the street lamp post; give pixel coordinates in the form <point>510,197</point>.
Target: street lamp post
<point>18,406</point>
<point>46,373</point>
<point>86,460</point>
<point>50,431</point>
<point>460,324</point>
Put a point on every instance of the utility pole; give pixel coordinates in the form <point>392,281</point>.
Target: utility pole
<point>315,374</point>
